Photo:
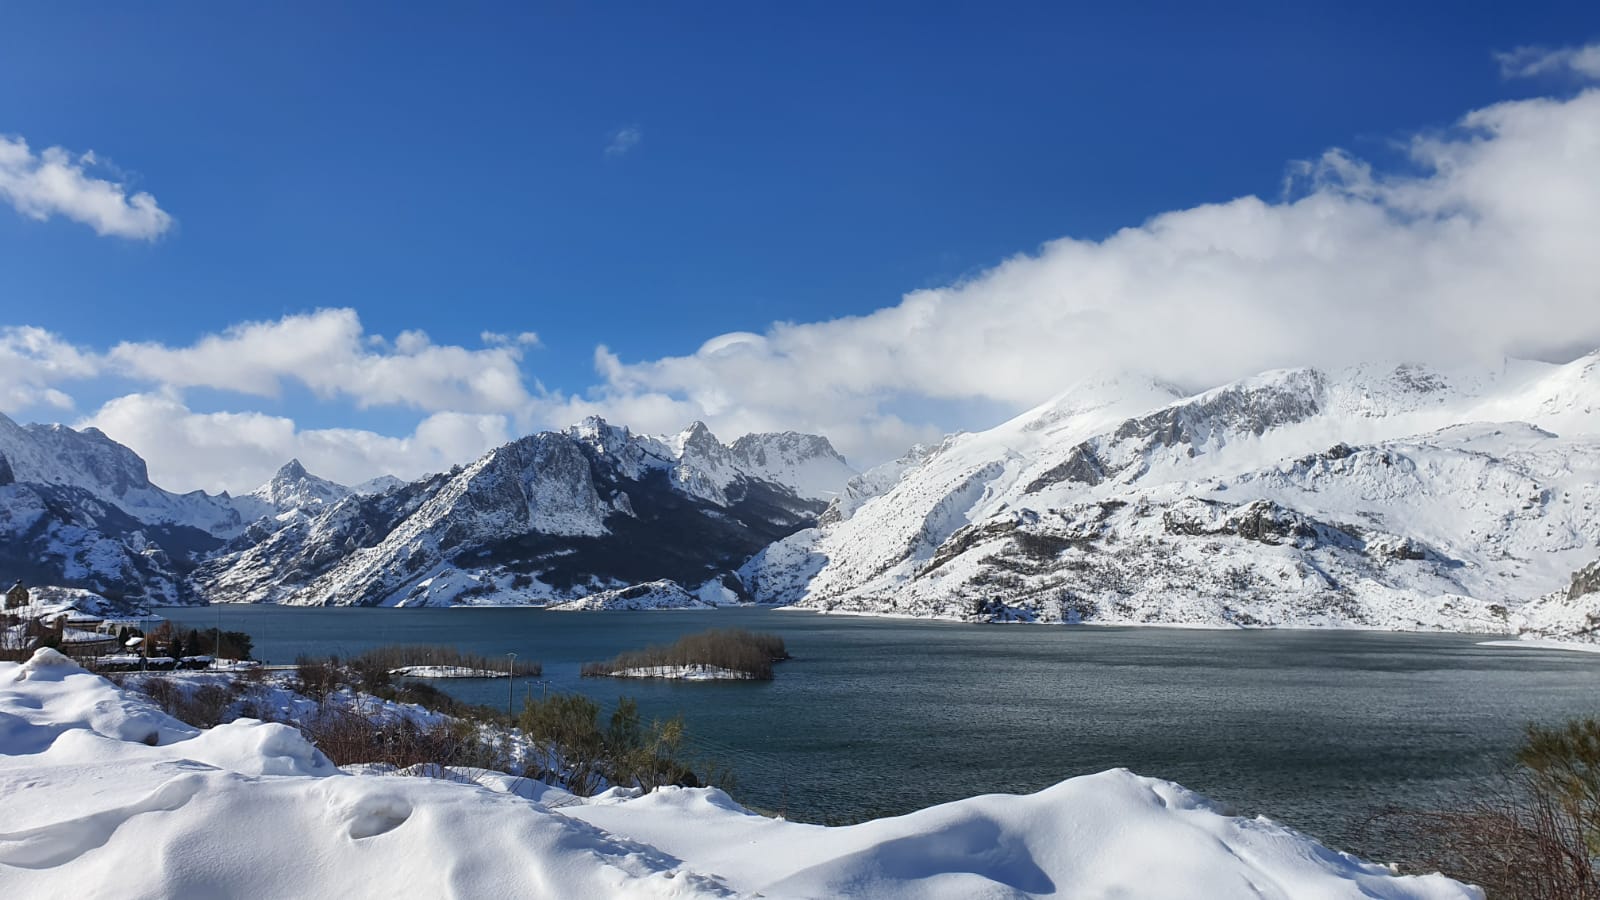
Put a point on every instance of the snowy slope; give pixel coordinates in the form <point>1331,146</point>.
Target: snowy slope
<point>106,796</point>
<point>381,484</point>
<point>52,534</point>
<point>552,517</point>
<point>1393,498</point>
<point>1571,612</point>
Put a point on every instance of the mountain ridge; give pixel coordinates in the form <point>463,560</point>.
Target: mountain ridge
<point>1295,497</point>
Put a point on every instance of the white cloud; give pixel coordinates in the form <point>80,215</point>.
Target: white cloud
<point>623,140</point>
<point>237,451</point>
<point>329,352</point>
<point>32,362</point>
<point>501,339</point>
<point>1482,246</point>
<point>1486,246</point>
<point>1529,62</point>
<point>55,183</point>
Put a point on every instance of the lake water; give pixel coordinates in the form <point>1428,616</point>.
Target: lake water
<point>880,716</point>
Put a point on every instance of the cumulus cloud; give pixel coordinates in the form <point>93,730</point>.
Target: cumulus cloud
<point>1530,62</point>
<point>33,361</point>
<point>1483,247</point>
<point>329,352</point>
<point>237,451</point>
<point>54,182</point>
<point>623,140</point>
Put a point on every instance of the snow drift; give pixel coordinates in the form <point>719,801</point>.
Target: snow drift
<point>107,796</point>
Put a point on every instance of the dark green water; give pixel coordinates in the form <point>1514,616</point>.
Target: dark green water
<point>873,716</point>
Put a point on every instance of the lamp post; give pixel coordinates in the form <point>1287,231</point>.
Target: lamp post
<point>511,684</point>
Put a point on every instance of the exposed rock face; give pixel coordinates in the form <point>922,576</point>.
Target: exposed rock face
<point>1571,613</point>
<point>1585,581</point>
<point>1372,497</point>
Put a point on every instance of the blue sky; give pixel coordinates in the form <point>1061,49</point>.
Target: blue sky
<point>646,177</point>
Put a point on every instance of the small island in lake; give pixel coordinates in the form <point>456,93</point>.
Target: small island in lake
<point>721,654</point>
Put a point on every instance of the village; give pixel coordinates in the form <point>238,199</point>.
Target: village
<point>88,628</point>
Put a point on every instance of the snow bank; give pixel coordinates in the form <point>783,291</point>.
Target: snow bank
<point>1537,643</point>
<point>445,672</point>
<point>683,673</point>
<point>106,796</point>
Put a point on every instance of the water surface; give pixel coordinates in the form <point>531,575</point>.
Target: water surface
<point>877,716</point>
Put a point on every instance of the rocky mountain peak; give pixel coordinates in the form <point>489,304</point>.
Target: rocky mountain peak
<point>294,488</point>
<point>697,442</point>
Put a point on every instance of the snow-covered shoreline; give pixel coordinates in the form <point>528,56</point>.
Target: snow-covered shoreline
<point>682,673</point>
<point>107,796</point>
<point>1183,626</point>
<point>446,672</point>
<point>1533,643</point>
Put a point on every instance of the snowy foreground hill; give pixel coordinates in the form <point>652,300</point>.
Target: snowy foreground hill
<point>1399,498</point>
<point>108,797</point>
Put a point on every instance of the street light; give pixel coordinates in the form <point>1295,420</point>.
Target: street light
<point>511,683</point>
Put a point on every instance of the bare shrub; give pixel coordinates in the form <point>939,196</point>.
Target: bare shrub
<point>317,678</point>
<point>204,705</point>
<point>347,737</point>
<point>1536,836</point>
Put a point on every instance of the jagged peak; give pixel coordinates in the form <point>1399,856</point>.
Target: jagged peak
<point>292,470</point>
<point>596,430</point>
<point>697,437</point>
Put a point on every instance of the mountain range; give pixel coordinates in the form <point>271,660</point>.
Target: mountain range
<point>1398,497</point>
<point>552,517</point>
<point>1384,497</point>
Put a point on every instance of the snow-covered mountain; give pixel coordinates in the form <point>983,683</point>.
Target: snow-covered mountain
<point>377,485</point>
<point>78,509</point>
<point>552,517</point>
<point>65,535</point>
<point>90,461</point>
<point>556,516</point>
<point>1570,612</point>
<point>291,490</point>
<point>1381,497</point>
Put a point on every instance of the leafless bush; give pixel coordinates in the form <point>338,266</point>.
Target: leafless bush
<point>1534,836</point>
<point>204,705</point>
<point>347,737</point>
<point>317,678</point>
